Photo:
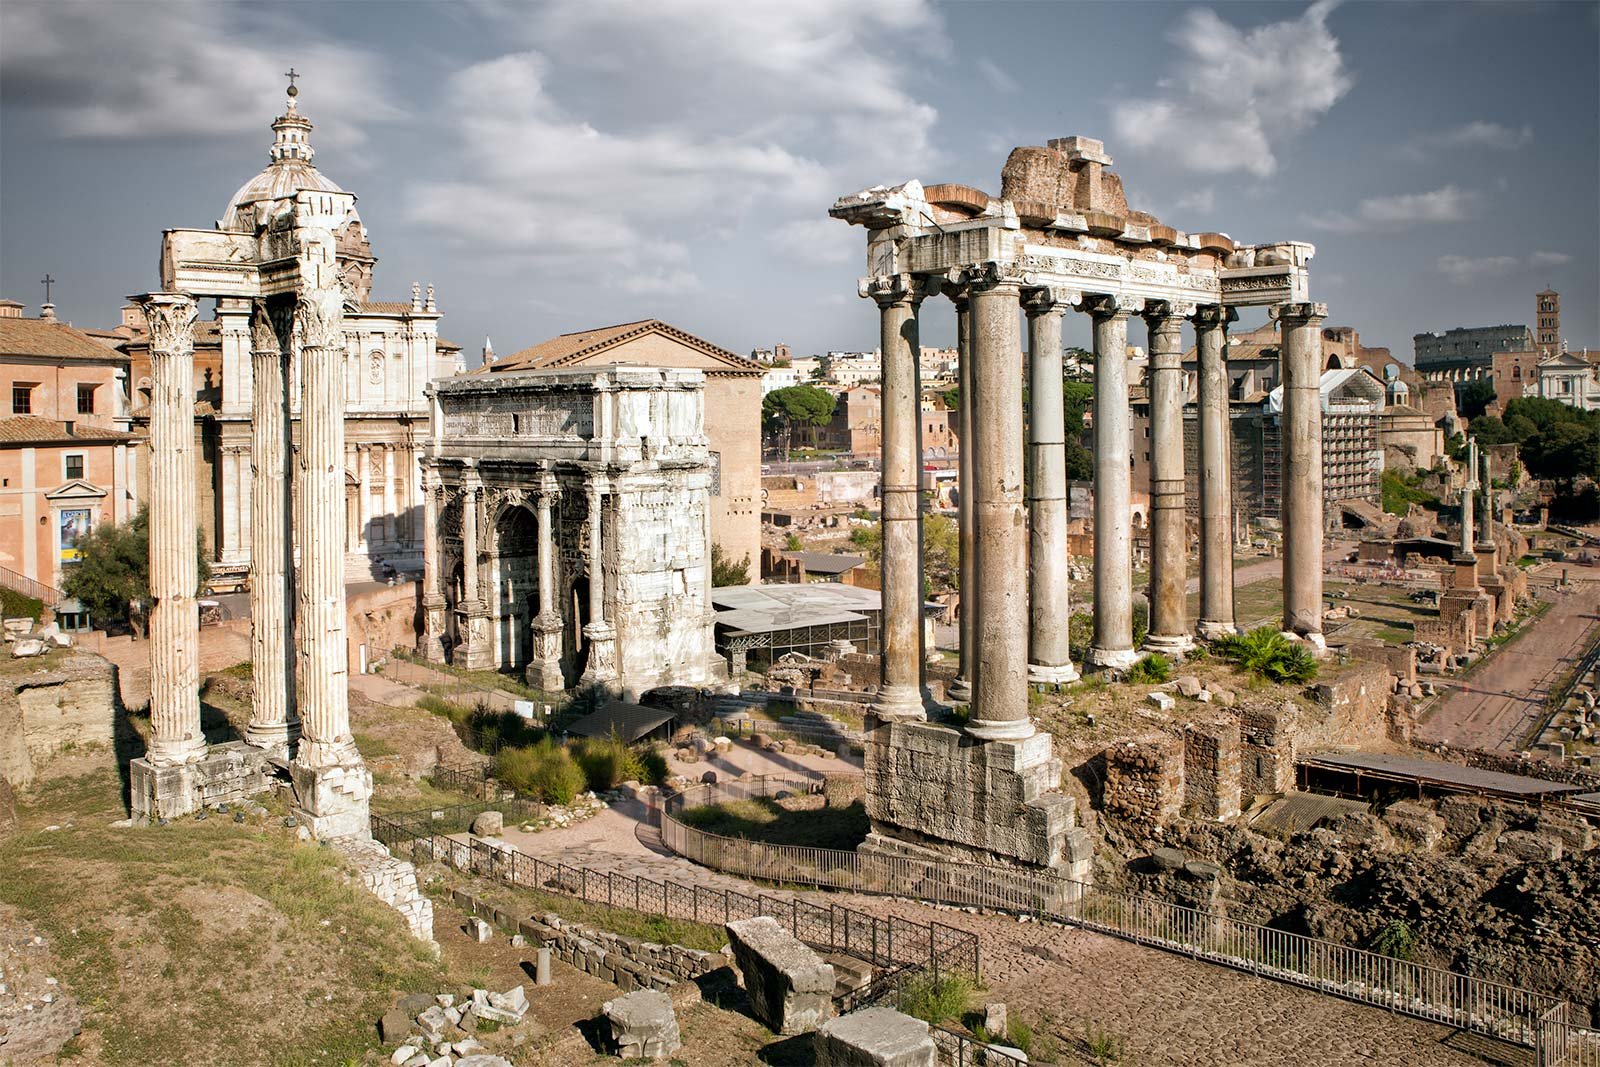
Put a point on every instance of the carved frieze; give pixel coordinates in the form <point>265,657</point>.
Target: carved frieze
<point>519,416</point>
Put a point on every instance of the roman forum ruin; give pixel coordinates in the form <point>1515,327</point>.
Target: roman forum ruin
<point>284,262</point>
<point>1060,237</point>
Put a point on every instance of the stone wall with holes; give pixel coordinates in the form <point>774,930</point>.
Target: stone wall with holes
<point>1211,770</point>
<point>1266,748</point>
<point>1144,781</point>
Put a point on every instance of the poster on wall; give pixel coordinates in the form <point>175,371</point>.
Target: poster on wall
<point>74,528</point>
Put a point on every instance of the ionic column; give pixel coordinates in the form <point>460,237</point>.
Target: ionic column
<point>1049,612</point>
<point>273,723</point>
<point>324,658</point>
<point>1302,470</point>
<point>175,736</point>
<point>545,670</point>
<point>961,690</point>
<point>1112,646</point>
<point>1216,474</point>
<point>900,691</point>
<point>1169,540</point>
<point>1000,699</point>
<point>431,643</point>
<point>602,663</point>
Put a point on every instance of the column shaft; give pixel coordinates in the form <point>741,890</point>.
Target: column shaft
<point>469,544</point>
<point>1000,700</point>
<point>1216,474</point>
<point>273,724</point>
<point>431,644</point>
<point>602,635</point>
<point>175,736</point>
<point>1169,536</point>
<point>961,691</point>
<point>900,692</point>
<point>1113,485</point>
<point>1049,608</point>
<point>545,670</point>
<point>1301,438</point>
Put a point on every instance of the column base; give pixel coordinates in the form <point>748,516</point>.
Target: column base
<point>1041,674</point>
<point>1214,629</point>
<point>333,800</point>
<point>277,739</point>
<point>176,753</point>
<point>899,703</point>
<point>1111,659</point>
<point>474,650</point>
<point>227,773</point>
<point>1168,644</point>
<point>1317,643</point>
<point>960,691</point>
<point>602,664</point>
<point>1001,729</point>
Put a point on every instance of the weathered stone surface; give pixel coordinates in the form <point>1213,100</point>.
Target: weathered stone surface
<point>507,1007</point>
<point>1529,845</point>
<point>875,1037</point>
<point>643,1025</point>
<point>394,1026</point>
<point>994,1018</point>
<point>433,1023</point>
<point>790,986</point>
<point>489,824</point>
<point>480,1060</point>
<point>1189,686</point>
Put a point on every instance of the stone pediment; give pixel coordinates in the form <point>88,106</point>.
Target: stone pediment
<point>647,343</point>
<point>77,489</point>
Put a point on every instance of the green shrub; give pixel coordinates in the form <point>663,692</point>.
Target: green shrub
<point>607,762</point>
<point>544,770</point>
<point>1395,939</point>
<point>935,998</point>
<point>1150,670</point>
<point>654,765</point>
<point>1103,1045</point>
<point>15,605</point>
<point>1266,653</point>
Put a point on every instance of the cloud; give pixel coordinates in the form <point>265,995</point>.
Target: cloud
<point>108,71</point>
<point>1476,134</point>
<point>1465,270</point>
<point>597,152</point>
<point>1445,204</point>
<point>1237,94</point>
<point>1201,200</point>
<point>998,79</point>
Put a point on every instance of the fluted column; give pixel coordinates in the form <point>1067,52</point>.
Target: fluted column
<point>1301,438</point>
<point>1169,534</point>
<point>431,643</point>
<point>273,723</point>
<point>545,670</point>
<point>1049,609</point>
<point>1112,646</point>
<point>1216,473</point>
<point>474,649</point>
<point>1000,700</point>
<point>175,736</point>
<point>961,690</point>
<point>900,691</point>
<point>601,667</point>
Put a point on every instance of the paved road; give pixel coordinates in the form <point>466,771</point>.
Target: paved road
<point>1497,705</point>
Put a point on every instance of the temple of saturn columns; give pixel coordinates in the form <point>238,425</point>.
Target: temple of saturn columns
<point>1060,237</point>
<point>281,260</point>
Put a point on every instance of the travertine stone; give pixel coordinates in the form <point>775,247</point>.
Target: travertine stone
<point>1049,609</point>
<point>1216,474</point>
<point>1000,702</point>
<point>1169,541</point>
<point>332,784</point>
<point>961,690</point>
<point>790,986</point>
<point>643,1025</point>
<point>1112,645</point>
<point>1302,470</point>
<point>900,693</point>
<point>875,1037</point>
<point>274,725</point>
<point>175,736</point>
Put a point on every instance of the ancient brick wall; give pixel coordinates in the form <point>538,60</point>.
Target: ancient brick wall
<point>1352,709</point>
<point>1211,770</point>
<point>1266,749</point>
<point>1144,780</point>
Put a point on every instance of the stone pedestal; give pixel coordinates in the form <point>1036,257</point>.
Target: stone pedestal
<point>544,672</point>
<point>601,667</point>
<point>430,644</point>
<point>227,773</point>
<point>875,1037</point>
<point>333,800</point>
<point>789,985</point>
<point>474,649</point>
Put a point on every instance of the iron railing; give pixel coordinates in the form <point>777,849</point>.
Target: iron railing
<point>48,594</point>
<point>1495,1009</point>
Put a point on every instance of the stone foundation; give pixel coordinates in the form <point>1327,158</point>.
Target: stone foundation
<point>391,880</point>
<point>229,773</point>
<point>935,791</point>
<point>332,801</point>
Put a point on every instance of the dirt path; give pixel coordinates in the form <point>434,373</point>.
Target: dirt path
<point>1502,701</point>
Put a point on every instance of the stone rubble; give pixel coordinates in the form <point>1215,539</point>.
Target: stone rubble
<point>643,1025</point>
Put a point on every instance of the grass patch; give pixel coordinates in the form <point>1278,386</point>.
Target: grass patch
<point>372,747</point>
<point>936,998</point>
<point>766,819</point>
<point>17,605</point>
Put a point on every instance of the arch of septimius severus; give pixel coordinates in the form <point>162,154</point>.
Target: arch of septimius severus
<point>1059,238</point>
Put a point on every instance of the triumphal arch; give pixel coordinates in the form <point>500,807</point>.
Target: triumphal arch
<point>1060,237</point>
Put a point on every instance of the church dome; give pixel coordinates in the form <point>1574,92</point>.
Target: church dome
<point>289,171</point>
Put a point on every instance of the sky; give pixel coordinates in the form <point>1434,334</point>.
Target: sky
<point>558,166</point>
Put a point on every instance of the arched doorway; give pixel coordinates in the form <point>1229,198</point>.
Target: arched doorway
<point>515,597</point>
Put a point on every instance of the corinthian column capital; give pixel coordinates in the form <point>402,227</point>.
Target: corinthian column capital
<point>1164,310</point>
<point>1301,314</point>
<point>1050,300</point>
<point>264,338</point>
<point>319,313</point>
<point>169,317</point>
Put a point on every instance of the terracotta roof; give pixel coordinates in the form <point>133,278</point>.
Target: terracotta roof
<point>572,348</point>
<point>30,429</point>
<point>386,307</point>
<point>56,340</point>
<point>446,346</point>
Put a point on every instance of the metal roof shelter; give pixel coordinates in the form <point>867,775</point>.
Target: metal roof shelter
<point>1434,774</point>
<point>804,617</point>
<point>628,721</point>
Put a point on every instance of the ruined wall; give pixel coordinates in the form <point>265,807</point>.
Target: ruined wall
<point>1144,780</point>
<point>1515,763</point>
<point>1211,770</point>
<point>382,618</point>
<point>1352,709</point>
<point>66,699</point>
<point>1266,742</point>
<point>391,880</point>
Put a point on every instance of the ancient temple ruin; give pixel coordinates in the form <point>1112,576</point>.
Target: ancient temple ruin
<point>569,519</point>
<point>1060,237</point>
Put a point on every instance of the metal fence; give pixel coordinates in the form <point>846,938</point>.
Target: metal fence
<point>1501,1011</point>
<point>884,943</point>
<point>960,1050</point>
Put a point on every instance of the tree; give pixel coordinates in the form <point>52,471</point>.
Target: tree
<point>725,572</point>
<point>941,551</point>
<point>1566,452</point>
<point>802,405</point>
<point>792,543</point>
<point>113,568</point>
<point>1473,397</point>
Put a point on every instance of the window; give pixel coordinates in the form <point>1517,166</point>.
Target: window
<point>74,465</point>
<point>22,398</point>
<point>86,399</point>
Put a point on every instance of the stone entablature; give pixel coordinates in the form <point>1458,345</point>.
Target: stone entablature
<point>568,519</point>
